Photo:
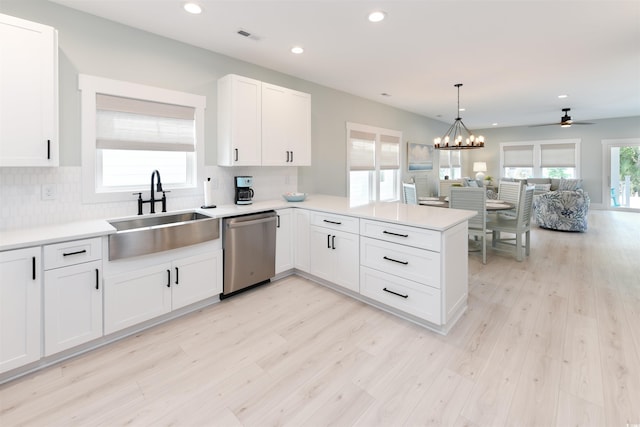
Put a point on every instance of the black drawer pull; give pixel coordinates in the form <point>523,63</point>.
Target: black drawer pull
<point>168,278</point>
<point>177,280</point>
<point>395,260</point>
<point>236,154</point>
<point>84,251</point>
<point>395,234</point>
<point>395,293</point>
<point>97,279</point>
<point>33,268</point>
<point>48,149</point>
<point>332,222</point>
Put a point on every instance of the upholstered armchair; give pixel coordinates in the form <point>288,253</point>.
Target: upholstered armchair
<point>564,210</point>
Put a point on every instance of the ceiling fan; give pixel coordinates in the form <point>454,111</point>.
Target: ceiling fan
<point>565,121</point>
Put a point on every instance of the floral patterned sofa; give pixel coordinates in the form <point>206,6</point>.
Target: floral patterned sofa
<point>565,209</point>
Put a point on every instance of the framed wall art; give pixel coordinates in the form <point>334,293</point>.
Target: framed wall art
<point>419,157</point>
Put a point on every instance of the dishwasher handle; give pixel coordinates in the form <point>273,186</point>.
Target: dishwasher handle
<point>238,224</point>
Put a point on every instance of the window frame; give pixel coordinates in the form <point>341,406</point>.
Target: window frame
<point>375,173</point>
<point>89,87</point>
<point>538,147</point>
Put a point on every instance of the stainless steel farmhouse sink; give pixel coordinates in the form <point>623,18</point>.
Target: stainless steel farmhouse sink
<point>141,236</point>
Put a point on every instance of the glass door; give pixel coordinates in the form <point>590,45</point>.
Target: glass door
<point>622,166</point>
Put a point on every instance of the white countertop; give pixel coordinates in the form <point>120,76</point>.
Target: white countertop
<point>433,218</point>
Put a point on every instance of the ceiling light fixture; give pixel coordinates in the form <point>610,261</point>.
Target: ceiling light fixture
<point>563,96</point>
<point>193,8</point>
<point>377,16</point>
<point>297,50</point>
<point>453,138</point>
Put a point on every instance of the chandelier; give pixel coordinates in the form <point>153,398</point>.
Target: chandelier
<point>458,137</point>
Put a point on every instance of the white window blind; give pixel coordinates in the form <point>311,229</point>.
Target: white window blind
<point>517,156</point>
<point>558,155</point>
<point>389,152</point>
<point>134,124</point>
<point>362,153</point>
<point>450,159</point>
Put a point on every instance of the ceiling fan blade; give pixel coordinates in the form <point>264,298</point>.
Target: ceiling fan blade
<point>582,123</point>
<point>546,124</point>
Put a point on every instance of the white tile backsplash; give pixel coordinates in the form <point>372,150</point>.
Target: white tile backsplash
<point>21,204</point>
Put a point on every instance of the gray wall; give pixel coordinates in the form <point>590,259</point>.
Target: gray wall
<point>92,45</point>
<point>591,163</point>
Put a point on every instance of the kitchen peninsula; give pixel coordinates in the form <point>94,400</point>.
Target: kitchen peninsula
<point>408,260</point>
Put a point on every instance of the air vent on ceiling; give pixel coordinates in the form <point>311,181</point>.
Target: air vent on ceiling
<point>244,33</point>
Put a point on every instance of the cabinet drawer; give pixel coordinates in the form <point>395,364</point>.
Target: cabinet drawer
<point>403,234</point>
<point>71,253</point>
<point>336,222</point>
<point>418,265</point>
<point>405,295</point>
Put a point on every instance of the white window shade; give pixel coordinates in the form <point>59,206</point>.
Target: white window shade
<point>518,156</point>
<point>455,159</point>
<point>133,124</point>
<point>558,155</point>
<point>362,152</point>
<point>389,152</point>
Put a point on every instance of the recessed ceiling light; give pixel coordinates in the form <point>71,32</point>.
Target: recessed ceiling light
<point>377,16</point>
<point>563,96</point>
<point>494,124</point>
<point>462,109</point>
<point>385,94</point>
<point>297,50</point>
<point>193,8</point>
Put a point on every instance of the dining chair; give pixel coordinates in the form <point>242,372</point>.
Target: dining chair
<point>473,199</point>
<point>410,193</point>
<point>509,191</point>
<point>519,226</point>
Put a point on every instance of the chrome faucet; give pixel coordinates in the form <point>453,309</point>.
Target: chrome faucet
<point>152,200</point>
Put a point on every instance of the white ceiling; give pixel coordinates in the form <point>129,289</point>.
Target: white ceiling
<point>514,57</point>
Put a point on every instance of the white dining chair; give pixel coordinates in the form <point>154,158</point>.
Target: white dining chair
<point>410,194</point>
<point>509,191</point>
<point>519,226</point>
<point>473,199</point>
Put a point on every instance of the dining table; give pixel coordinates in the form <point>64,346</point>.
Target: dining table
<point>492,205</point>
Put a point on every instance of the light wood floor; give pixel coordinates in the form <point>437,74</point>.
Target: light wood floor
<point>553,340</point>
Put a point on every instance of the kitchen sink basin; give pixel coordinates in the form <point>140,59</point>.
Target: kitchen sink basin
<point>147,235</point>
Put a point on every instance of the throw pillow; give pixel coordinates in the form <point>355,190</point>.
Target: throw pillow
<point>570,184</point>
<point>542,187</point>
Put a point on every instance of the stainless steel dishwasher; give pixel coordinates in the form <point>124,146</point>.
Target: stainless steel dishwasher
<point>249,244</point>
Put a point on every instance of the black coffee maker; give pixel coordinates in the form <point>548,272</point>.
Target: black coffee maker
<point>244,192</point>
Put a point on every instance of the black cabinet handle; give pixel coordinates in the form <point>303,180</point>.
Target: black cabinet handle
<point>395,234</point>
<point>33,268</point>
<point>177,279</point>
<point>48,149</point>
<point>332,222</point>
<point>328,241</point>
<point>97,279</point>
<point>395,293</point>
<point>277,221</point>
<point>168,278</point>
<point>84,251</point>
<point>395,260</point>
<point>333,242</point>
<point>236,154</point>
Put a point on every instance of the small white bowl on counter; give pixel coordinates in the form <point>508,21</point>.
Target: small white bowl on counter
<point>294,197</point>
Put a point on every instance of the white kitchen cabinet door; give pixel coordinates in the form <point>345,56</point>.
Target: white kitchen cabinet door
<point>196,278</point>
<point>239,121</point>
<point>28,93</point>
<point>20,307</point>
<point>286,127</point>
<point>72,306</point>
<point>335,257</point>
<point>301,242</point>
<point>133,297</point>
<point>284,240</point>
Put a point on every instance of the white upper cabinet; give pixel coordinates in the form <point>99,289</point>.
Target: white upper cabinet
<point>239,121</point>
<point>28,93</point>
<point>286,127</point>
<point>261,124</point>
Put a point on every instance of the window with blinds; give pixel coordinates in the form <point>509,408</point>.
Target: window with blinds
<point>541,159</point>
<point>130,130</point>
<point>450,164</point>
<point>373,163</point>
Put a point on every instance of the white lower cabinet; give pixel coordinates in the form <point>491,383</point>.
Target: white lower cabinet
<point>72,306</point>
<point>284,240</point>
<point>335,256</point>
<point>20,307</point>
<point>133,297</point>
<point>301,257</point>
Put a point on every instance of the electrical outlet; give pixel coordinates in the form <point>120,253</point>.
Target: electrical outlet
<point>48,192</point>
